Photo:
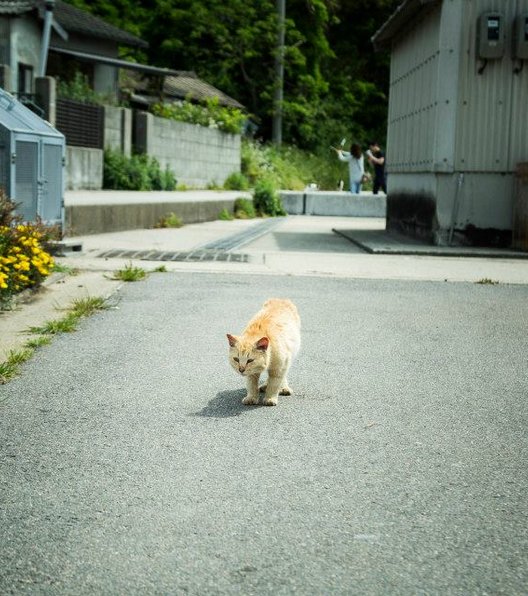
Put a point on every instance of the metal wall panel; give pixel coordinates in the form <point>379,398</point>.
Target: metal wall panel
<point>50,210</point>
<point>412,102</point>
<point>489,104</point>
<point>519,125</point>
<point>26,178</point>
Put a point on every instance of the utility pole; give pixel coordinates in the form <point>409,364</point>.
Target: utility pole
<point>279,75</point>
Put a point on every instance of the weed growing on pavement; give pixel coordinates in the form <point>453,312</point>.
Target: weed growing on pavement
<point>64,325</point>
<point>61,268</point>
<point>486,281</point>
<point>83,307</point>
<point>160,269</point>
<point>130,273</point>
<point>38,342</point>
<point>171,220</point>
<point>11,367</point>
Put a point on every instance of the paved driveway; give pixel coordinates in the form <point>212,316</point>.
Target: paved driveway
<point>129,466</point>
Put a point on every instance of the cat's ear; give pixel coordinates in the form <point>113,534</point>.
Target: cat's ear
<point>232,340</point>
<point>262,344</point>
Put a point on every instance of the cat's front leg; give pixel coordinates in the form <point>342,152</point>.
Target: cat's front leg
<point>252,396</point>
<point>274,385</point>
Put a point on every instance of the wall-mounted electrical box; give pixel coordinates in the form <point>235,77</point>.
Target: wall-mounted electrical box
<point>520,37</point>
<point>490,35</point>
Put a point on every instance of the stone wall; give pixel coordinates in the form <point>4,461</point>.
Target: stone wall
<point>198,156</point>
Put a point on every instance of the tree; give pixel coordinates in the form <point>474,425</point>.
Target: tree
<point>335,84</point>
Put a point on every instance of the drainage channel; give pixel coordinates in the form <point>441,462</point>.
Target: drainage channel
<point>179,256</point>
<point>245,237</point>
<point>218,250</point>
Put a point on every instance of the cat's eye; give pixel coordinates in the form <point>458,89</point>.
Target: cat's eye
<point>250,360</point>
<point>236,359</point>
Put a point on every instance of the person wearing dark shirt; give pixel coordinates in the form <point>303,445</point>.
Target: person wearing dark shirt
<point>377,158</point>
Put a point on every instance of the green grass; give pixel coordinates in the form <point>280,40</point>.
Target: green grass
<point>290,168</point>
<point>64,325</point>
<point>38,342</point>
<point>61,268</point>
<point>83,307</point>
<point>130,273</point>
<point>486,281</point>
<point>161,269</point>
<point>171,220</point>
<point>11,367</point>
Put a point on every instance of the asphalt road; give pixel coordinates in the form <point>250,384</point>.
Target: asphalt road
<point>129,465</point>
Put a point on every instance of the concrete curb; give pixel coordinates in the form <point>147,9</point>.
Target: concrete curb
<point>335,203</point>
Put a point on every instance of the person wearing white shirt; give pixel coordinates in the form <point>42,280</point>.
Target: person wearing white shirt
<point>356,166</point>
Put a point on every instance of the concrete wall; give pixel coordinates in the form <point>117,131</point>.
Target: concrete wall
<point>118,129</point>
<point>98,219</point>
<point>199,156</point>
<point>84,168</point>
<point>333,203</point>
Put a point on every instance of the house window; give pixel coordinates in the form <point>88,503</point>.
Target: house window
<point>25,78</point>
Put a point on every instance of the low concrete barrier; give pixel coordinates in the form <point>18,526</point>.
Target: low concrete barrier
<point>334,203</point>
<point>116,211</point>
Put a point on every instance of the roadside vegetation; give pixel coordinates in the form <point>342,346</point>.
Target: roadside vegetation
<point>130,273</point>
<point>78,310</point>
<point>135,172</point>
<point>25,260</point>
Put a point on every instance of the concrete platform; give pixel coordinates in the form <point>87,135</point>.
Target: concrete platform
<point>383,242</point>
<point>334,203</point>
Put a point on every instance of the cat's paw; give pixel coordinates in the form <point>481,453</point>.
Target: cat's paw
<point>263,388</point>
<point>270,401</point>
<point>286,391</point>
<point>250,400</point>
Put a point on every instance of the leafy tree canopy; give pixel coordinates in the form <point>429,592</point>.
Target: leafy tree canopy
<point>335,84</point>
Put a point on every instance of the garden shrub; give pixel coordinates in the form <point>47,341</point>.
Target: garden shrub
<point>236,181</point>
<point>210,114</point>
<point>244,209</point>
<point>171,220</point>
<point>137,172</point>
<point>24,259</point>
<point>225,215</point>
<point>266,199</point>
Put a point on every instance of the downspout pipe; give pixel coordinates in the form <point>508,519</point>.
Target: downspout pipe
<point>46,32</point>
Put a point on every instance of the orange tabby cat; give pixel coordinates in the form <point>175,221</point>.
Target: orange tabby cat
<point>269,342</point>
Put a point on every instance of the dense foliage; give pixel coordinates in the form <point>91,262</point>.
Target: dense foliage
<point>24,260</point>
<point>211,114</point>
<point>335,84</point>
<point>135,172</point>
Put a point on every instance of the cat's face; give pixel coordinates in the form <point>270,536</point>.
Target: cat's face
<point>248,359</point>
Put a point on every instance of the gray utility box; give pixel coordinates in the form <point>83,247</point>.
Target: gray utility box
<point>32,159</point>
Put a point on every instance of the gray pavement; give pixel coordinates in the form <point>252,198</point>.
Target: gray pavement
<point>129,466</point>
<point>297,245</point>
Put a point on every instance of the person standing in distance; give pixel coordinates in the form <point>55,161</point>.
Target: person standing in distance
<point>377,158</point>
<point>356,166</point>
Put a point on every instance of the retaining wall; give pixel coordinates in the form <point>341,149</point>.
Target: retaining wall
<point>84,168</point>
<point>199,156</point>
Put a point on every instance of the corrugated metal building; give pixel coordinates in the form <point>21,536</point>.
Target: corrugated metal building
<point>458,116</point>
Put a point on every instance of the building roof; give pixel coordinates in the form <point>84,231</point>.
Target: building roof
<point>73,19</point>
<point>98,59</point>
<point>187,84</point>
<point>407,11</point>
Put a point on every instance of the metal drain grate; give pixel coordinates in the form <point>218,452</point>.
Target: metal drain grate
<point>189,256</point>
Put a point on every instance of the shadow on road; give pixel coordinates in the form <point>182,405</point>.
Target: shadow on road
<point>225,405</point>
